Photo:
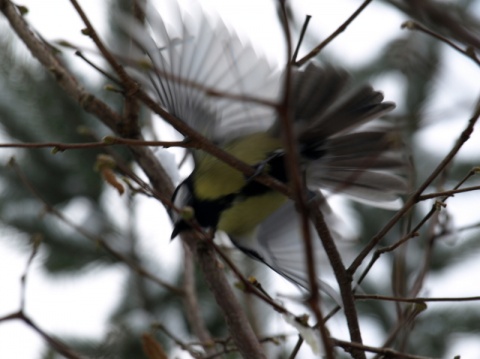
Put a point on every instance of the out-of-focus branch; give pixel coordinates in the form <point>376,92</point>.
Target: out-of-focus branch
<point>418,300</point>
<point>343,278</point>
<point>54,343</point>
<point>242,333</point>
<point>413,199</point>
<point>384,352</point>
<point>107,141</point>
<point>440,15</point>
<point>469,51</point>
<point>190,300</point>
<point>194,353</point>
<point>436,207</point>
<point>95,239</point>
<point>448,193</point>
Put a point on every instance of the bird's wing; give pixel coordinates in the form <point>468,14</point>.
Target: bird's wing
<point>196,64</point>
<point>278,243</point>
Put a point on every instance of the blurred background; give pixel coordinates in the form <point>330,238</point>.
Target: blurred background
<point>77,291</point>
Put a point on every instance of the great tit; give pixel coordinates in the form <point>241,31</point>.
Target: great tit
<point>341,145</point>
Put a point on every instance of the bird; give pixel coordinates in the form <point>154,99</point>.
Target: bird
<point>342,145</point>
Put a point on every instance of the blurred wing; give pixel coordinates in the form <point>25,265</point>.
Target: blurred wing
<point>197,60</point>
<point>278,243</point>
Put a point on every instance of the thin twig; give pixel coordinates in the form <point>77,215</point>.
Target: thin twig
<point>95,239</point>
<point>97,68</point>
<point>463,138</point>
<point>36,240</point>
<point>329,39</point>
<point>446,16</point>
<point>431,240</point>
<point>178,341</point>
<point>468,227</point>
<point>416,299</point>
<point>300,40</point>
<point>437,206</point>
<point>385,352</point>
<point>297,347</point>
<point>107,141</point>
<point>54,343</point>
<point>468,52</point>
<point>449,193</point>
<point>56,146</point>
<point>247,285</point>
<point>407,316</point>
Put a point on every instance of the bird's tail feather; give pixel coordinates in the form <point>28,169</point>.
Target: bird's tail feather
<point>343,148</point>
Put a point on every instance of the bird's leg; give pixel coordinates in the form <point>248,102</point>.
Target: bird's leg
<point>260,167</point>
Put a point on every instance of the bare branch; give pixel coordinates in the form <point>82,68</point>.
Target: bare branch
<point>385,352</point>
<point>54,343</point>
<point>242,333</point>
<point>342,276</point>
<point>329,39</point>
<point>190,300</point>
<point>292,161</point>
<point>416,299</point>
<point>468,52</point>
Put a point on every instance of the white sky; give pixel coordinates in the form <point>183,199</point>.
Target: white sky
<point>59,305</point>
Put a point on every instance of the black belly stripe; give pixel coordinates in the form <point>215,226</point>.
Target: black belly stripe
<point>208,212</point>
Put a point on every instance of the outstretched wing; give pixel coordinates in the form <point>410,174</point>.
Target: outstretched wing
<point>202,72</point>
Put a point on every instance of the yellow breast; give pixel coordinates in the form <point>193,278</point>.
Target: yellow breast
<point>214,178</point>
